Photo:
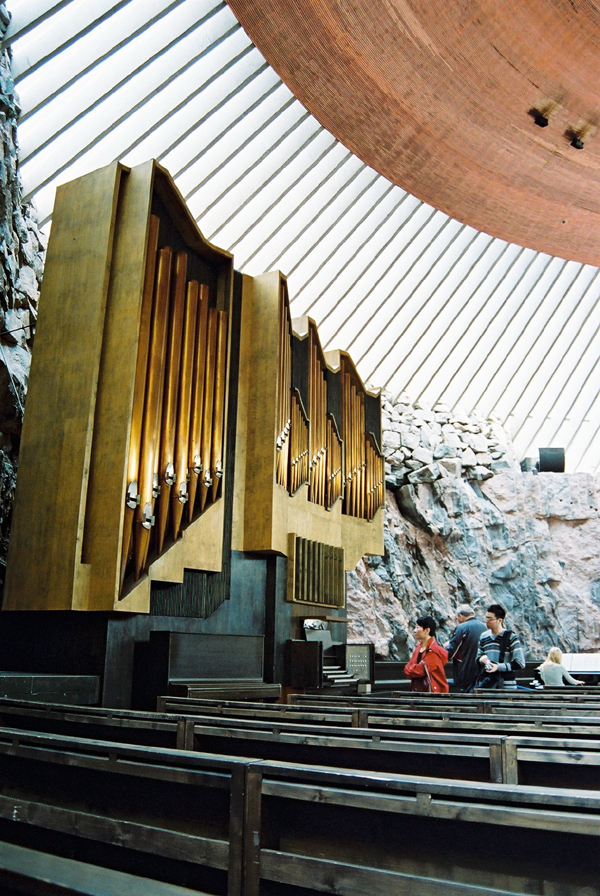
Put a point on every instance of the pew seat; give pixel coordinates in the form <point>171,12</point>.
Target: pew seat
<point>232,689</point>
<point>245,826</point>
<point>31,872</point>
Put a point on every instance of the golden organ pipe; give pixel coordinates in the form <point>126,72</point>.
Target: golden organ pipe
<point>284,370</point>
<point>293,462</point>
<point>349,445</point>
<point>314,419</point>
<point>319,443</point>
<point>371,483</point>
<point>195,448</point>
<point>368,480</point>
<point>318,438</point>
<point>171,392</point>
<point>139,394</point>
<point>353,440</point>
<point>283,387</point>
<point>356,454</point>
<point>314,422</point>
<point>279,386</point>
<point>312,415</point>
<point>323,426</point>
<point>180,493</point>
<point>301,454</point>
<point>219,408</point>
<point>345,440</point>
<point>360,442</point>
<point>287,396</point>
<point>361,459</point>
<point>209,397</point>
<point>356,425</point>
<point>144,513</point>
<point>329,470</point>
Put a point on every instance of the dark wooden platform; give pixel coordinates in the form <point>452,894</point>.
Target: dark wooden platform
<point>80,689</point>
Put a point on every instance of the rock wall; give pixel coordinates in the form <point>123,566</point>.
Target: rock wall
<point>21,265</point>
<point>456,534</point>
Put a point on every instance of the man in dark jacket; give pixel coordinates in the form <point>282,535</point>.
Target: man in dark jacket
<point>462,648</point>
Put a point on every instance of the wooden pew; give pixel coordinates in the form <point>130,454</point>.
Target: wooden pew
<point>551,762</point>
<point>480,751</point>
<point>365,713</point>
<point>454,702</point>
<point>468,756</point>
<point>343,715</point>
<point>232,689</point>
<point>487,699</point>
<point>276,826</point>
<point>290,740</point>
<point>31,872</point>
<point>334,831</point>
<point>170,815</point>
<point>574,691</point>
<point>121,725</point>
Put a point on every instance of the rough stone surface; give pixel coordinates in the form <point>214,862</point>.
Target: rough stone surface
<point>21,265</point>
<point>529,542</point>
<point>414,437</point>
<point>485,534</point>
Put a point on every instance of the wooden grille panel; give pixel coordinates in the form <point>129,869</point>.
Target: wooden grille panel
<point>315,573</point>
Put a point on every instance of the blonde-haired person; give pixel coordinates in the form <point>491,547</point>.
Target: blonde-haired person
<point>553,672</point>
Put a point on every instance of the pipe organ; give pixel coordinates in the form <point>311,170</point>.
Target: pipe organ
<point>328,489</point>
<point>175,461</point>
<point>317,410</point>
<point>129,422</point>
<point>363,473</point>
<point>284,396</point>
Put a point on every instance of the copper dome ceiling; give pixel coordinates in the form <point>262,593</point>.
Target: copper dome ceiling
<point>442,97</point>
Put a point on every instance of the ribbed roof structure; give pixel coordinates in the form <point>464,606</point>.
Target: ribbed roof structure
<point>423,303</point>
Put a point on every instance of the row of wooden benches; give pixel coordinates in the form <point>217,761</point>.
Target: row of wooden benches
<point>505,750</point>
<point>247,824</point>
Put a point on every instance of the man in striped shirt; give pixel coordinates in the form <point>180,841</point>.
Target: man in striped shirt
<point>499,648</point>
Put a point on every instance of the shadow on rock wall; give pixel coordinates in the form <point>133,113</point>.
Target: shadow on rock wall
<point>529,542</point>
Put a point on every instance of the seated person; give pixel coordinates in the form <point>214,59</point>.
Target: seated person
<point>552,671</point>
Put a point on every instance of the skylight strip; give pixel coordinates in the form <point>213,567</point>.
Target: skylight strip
<point>521,397</point>
<point>406,302</point>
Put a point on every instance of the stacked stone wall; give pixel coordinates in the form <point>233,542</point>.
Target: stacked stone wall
<point>21,266</point>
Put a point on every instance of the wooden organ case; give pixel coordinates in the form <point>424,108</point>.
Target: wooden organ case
<point>122,465</point>
<point>122,457</point>
<point>314,485</point>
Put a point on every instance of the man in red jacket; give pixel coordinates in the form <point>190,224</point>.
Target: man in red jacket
<point>426,666</point>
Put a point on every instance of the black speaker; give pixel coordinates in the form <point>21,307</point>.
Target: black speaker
<point>552,460</point>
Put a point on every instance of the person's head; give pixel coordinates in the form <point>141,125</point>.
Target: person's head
<point>424,629</point>
<point>554,655</point>
<point>494,618</point>
<point>464,612</point>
